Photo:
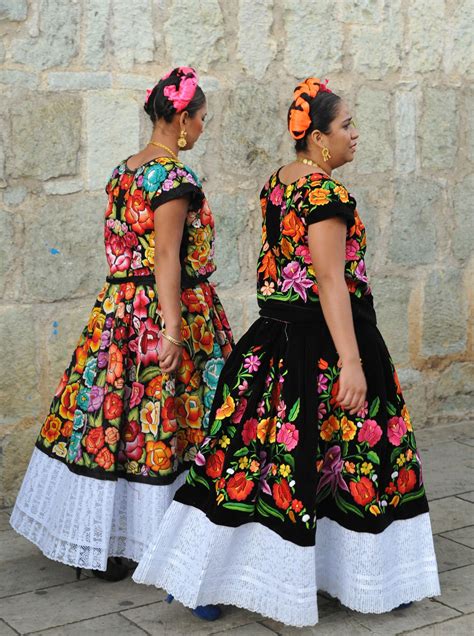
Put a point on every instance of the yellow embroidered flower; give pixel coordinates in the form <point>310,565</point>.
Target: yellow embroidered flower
<point>366,468</point>
<point>243,462</point>
<point>407,419</point>
<point>401,460</point>
<point>224,441</point>
<point>375,510</point>
<point>108,305</point>
<point>285,470</point>
<point>226,409</point>
<point>342,194</point>
<point>395,501</point>
<point>150,417</point>
<point>349,429</point>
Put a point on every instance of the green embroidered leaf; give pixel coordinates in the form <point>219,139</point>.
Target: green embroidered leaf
<point>374,407</point>
<point>395,453</point>
<point>271,511</point>
<point>202,481</point>
<point>231,430</point>
<point>322,494</point>
<point>345,506</point>
<point>294,411</point>
<point>260,510</point>
<point>391,410</point>
<point>241,507</point>
<point>241,452</point>
<point>225,392</point>
<point>412,496</point>
<point>148,374</point>
<point>215,428</point>
<point>289,459</point>
<point>373,457</point>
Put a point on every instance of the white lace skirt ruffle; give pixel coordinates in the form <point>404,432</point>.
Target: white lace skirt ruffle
<point>81,521</point>
<point>200,562</point>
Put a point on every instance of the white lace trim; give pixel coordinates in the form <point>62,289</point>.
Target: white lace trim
<point>252,567</point>
<point>80,520</point>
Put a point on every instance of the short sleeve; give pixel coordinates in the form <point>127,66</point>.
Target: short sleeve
<point>162,183</point>
<point>327,199</point>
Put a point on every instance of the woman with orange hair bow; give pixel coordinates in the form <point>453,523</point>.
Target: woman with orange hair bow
<point>310,478</point>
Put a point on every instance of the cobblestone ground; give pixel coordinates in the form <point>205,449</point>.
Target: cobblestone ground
<point>38,596</point>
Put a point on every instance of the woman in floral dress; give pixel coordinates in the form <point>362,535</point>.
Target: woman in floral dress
<point>133,406</point>
<point>310,478</point>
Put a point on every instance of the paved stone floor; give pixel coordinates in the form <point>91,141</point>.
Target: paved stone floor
<point>38,596</point>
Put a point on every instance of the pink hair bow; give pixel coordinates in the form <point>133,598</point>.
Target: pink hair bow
<point>181,96</point>
<point>149,91</point>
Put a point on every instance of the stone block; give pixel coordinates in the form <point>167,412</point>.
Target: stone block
<point>64,252</point>
<point>462,239</point>
<point>157,618</point>
<point>14,10</point>
<point>110,144</point>
<point>451,555</point>
<point>412,238</point>
<point>399,621</point>
<point>455,387</point>
<point>256,47</point>
<point>16,445</point>
<point>132,32</point>
<point>446,466</point>
<point>14,195</point>
<point>311,47</point>
<point>96,25</point>
<point>23,79</point>
<point>11,227</point>
<point>4,521</point>
<point>458,589</point>
<point>375,151</point>
<point>376,50</point>
<point>424,20</point>
<point>19,386</point>
<point>58,39</point>
<point>26,569</point>
<point>469,138</point>
<point>335,624</point>
<point>132,81</point>
<point>458,51</point>
<point>392,297</point>
<point>467,496</point>
<point>6,630</point>
<point>360,11</point>
<point>405,132</point>
<point>241,307</point>
<point>252,129</point>
<point>444,314</point>
<point>78,81</point>
<point>450,513</point>
<point>45,139</point>
<point>439,128</point>
<point>230,212</point>
<point>459,626</point>
<point>32,612</point>
<point>63,186</point>
<point>194,34</point>
<point>464,536</point>
<point>111,624</point>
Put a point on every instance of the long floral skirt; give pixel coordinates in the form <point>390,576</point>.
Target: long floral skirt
<point>120,433</point>
<point>289,493</point>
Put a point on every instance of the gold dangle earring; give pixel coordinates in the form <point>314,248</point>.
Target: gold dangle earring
<point>326,154</point>
<point>182,139</point>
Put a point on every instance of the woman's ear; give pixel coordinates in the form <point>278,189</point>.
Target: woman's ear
<point>183,118</point>
<point>316,138</point>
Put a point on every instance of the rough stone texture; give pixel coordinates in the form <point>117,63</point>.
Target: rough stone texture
<point>413,225</point>
<point>194,33</point>
<point>121,134</point>
<point>64,254</point>
<point>439,128</point>
<point>377,49</point>
<point>423,45</point>
<point>13,9</point>
<point>73,75</point>
<point>58,40</point>
<point>256,47</point>
<point>311,47</point>
<point>444,315</point>
<point>45,140</point>
<point>375,152</point>
<point>132,32</point>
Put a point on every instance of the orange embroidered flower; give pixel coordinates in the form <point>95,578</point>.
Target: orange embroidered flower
<point>268,267</point>
<point>66,430</point>
<point>189,410</point>
<point>105,458</point>
<point>319,196</point>
<point>407,418</point>
<point>81,357</point>
<point>158,456</point>
<point>328,428</point>
<point>186,369</point>
<point>115,366</point>
<point>190,299</point>
<point>226,409</point>
<point>348,428</point>
<point>292,226</point>
<point>266,429</point>
<point>202,337</point>
<point>51,429</point>
<point>342,193</point>
<point>112,435</point>
<point>153,388</point>
<point>68,401</point>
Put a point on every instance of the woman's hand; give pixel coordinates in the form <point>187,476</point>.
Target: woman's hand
<point>352,387</point>
<point>170,356</point>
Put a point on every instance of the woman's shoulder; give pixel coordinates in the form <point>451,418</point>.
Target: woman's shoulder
<point>325,189</point>
<point>165,173</point>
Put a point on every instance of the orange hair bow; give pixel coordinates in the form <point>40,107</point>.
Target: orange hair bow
<point>299,120</point>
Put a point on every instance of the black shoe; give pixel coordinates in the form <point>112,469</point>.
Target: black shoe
<point>116,571</point>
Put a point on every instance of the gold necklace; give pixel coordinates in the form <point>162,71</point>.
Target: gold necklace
<point>309,162</point>
<point>158,145</point>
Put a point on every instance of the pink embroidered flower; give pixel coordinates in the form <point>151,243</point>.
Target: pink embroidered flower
<point>249,431</point>
<point>118,254</point>
<point>370,432</point>
<point>396,429</point>
<point>322,411</point>
<point>352,247</point>
<point>288,435</point>
<point>239,411</point>
<point>294,276</point>
<point>137,393</point>
<point>322,383</point>
<point>243,387</point>
<point>303,251</point>
<point>364,410</point>
<point>361,272</point>
<point>276,195</point>
<point>140,303</point>
<point>281,409</point>
<point>251,364</point>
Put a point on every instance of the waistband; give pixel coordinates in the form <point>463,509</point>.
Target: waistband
<point>149,279</point>
<point>311,313</point>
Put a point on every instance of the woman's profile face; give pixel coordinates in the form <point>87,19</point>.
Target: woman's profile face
<point>195,126</point>
<point>342,137</point>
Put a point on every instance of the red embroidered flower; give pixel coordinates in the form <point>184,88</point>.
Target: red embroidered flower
<point>239,487</point>
<point>282,494</point>
<point>214,464</point>
<point>94,440</point>
<point>363,491</point>
<point>406,480</point>
<point>105,458</point>
<point>113,406</point>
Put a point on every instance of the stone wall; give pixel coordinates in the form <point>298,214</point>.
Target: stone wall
<point>73,77</point>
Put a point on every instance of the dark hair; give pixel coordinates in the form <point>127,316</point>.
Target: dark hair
<point>322,110</point>
<point>158,106</point>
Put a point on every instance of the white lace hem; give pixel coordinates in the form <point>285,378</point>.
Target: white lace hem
<point>200,562</point>
<point>81,521</point>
